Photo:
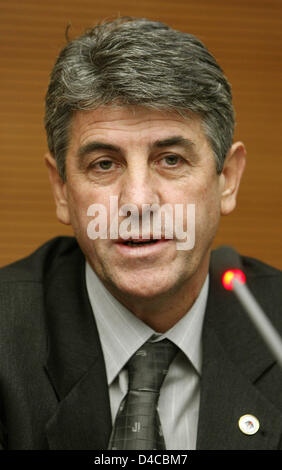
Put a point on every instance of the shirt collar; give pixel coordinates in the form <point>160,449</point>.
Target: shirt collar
<point>122,333</point>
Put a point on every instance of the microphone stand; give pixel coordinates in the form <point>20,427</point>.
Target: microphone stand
<point>256,314</point>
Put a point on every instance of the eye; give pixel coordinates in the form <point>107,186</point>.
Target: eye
<point>102,165</point>
<point>105,164</point>
<point>171,161</point>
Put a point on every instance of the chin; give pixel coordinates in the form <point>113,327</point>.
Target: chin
<point>149,286</point>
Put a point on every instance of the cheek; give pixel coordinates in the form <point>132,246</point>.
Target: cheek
<point>207,212</point>
<point>78,203</point>
<point>203,193</point>
<point>81,199</point>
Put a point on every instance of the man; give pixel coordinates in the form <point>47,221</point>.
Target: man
<point>139,114</point>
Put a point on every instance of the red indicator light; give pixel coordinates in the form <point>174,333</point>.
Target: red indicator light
<point>229,276</point>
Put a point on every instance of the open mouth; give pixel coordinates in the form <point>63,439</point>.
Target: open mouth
<point>141,247</point>
<point>135,243</point>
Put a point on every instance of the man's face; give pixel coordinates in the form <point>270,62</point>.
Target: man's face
<point>141,157</point>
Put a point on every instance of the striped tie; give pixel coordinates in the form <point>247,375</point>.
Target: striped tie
<point>137,425</point>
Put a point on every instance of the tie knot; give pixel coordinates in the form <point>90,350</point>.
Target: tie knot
<point>148,367</point>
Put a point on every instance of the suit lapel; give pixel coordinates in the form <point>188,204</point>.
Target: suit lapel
<point>234,360</point>
<point>82,421</point>
<point>75,364</point>
<point>226,395</point>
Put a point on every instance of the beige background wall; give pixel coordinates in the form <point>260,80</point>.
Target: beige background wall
<point>246,38</point>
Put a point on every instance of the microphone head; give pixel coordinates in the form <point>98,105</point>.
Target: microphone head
<point>225,258</point>
<point>232,275</point>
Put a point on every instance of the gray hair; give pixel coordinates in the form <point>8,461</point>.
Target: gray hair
<point>135,61</point>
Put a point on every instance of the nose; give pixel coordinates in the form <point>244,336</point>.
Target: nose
<point>139,186</point>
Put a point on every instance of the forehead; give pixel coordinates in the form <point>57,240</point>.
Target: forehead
<point>124,124</point>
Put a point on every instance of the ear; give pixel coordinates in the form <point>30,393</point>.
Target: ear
<point>231,176</point>
<point>59,190</point>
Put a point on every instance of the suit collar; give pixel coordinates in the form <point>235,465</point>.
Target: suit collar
<point>75,364</point>
<point>234,358</point>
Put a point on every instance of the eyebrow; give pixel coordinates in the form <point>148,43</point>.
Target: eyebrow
<point>175,140</point>
<point>93,146</point>
<point>161,143</point>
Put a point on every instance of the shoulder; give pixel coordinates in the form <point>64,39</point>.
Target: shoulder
<point>264,279</point>
<point>257,268</point>
<point>35,267</point>
<point>265,282</point>
<point>24,284</point>
<point>225,257</point>
<point>259,275</point>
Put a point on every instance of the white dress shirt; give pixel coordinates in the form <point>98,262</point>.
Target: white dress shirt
<point>122,334</point>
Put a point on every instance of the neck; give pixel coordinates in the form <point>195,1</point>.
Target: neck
<point>162,312</point>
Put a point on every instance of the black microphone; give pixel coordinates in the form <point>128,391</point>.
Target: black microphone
<point>229,270</point>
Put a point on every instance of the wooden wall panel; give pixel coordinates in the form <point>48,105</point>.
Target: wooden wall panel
<point>246,38</point>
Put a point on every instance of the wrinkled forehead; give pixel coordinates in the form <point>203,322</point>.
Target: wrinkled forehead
<point>132,124</point>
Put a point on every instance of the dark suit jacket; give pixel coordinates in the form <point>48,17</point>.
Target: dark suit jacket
<point>53,388</point>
